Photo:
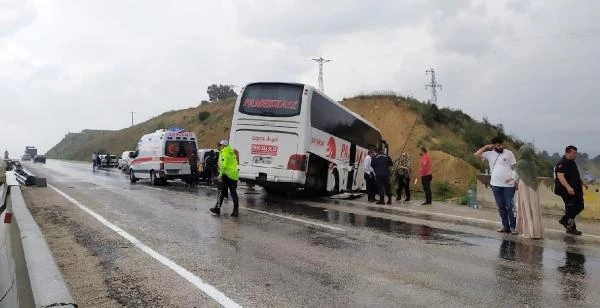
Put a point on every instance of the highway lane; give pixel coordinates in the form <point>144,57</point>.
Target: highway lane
<point>306,255</point>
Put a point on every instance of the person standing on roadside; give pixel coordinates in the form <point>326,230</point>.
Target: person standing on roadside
<point>94,157</point>
<point>502,163</point>
<point>210,167</point>
<point>370,177</point>
<point>569,186</point>
<point>401,171</point>
<point>529,210</point>
<point>381,165</point>
<point>426,176</point>
<point>228,177</point>
<point>193,161</point>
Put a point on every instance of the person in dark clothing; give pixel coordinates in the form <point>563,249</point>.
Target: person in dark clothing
<point>210,166</point>
<point>193,160</point>
<point>381,164</point>
<point>98,161</point>
<point>370,176</point>
<point>569,187</point>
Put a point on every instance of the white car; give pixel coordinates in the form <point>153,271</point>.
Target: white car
<point>110,163</point>
<point>124,160</point>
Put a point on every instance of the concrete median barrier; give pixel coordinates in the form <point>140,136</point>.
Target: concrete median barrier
<point>30,276</point>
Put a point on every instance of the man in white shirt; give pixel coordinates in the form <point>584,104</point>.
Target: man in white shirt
<point>502,163</point>
<point>370,176</point>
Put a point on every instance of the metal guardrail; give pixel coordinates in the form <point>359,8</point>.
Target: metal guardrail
<point>28,180</point>
<point>33,279</point>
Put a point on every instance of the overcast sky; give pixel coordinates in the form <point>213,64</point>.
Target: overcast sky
<point>71,65</point>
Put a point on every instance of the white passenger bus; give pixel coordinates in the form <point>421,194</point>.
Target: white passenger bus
<point>293,136</point>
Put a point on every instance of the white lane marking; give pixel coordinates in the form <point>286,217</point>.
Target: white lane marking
<point>264,212</point>
<point>195,280</point>
<point>294,219</point>
<point>484,220</point>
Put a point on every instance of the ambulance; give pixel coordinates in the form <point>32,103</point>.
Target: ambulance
<point>163,155</point>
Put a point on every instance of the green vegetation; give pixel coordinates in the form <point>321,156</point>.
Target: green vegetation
<point>219,92</point>
<point>203,115</point>
<point>442,188</point>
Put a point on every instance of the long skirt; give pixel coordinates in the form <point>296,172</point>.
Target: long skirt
<point>529,212</point>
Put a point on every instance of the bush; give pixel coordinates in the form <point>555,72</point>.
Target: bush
<point>203,115</point>
<point>442,188</point>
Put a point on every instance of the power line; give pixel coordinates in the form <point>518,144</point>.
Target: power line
<point>321,61</point>
<point>433,85</point>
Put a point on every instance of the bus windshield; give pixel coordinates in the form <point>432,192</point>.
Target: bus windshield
<point>271,100</point>
<point>178,148</point>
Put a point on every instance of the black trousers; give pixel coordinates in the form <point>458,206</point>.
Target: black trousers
<point>403,184</point>
<point>426,181</point>
<point>193,174</point>
<point>371,186</point>
<point>384,187</point>
<point>231,185</point>
<point>573,204</point>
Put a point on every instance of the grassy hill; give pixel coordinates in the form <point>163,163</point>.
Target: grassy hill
<point>214,126</point>
<point>451,135</point>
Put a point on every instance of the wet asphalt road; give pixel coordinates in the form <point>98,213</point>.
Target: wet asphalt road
<point>326,258</point>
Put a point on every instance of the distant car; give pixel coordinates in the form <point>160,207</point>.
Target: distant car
<point>124,160</point>
<point>26,157</point>
<point>39,159</point>
<point>111,163</point>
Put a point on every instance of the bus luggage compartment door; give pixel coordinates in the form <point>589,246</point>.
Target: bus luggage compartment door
<point>268,150</point>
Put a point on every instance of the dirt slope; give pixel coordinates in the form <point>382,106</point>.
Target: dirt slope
<point>394,119</point>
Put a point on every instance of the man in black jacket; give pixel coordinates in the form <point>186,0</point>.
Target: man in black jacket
<point>569,186</point>
<point>381,164</point>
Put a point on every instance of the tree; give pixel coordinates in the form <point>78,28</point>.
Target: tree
<point>556,157</point>
<point>219,92</point>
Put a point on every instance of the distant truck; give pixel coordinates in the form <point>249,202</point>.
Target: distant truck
<point>31,150</point>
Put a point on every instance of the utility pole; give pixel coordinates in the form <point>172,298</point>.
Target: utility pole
<point>132,117</point>
<point>433,85</point>
<point>321,61</point>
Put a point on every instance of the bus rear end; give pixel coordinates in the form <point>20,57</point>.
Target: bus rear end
<point>269,133</point>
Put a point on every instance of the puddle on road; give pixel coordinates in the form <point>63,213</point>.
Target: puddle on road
<point>393,227</point>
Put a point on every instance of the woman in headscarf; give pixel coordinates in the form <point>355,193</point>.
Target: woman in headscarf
<point>529,211</point>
